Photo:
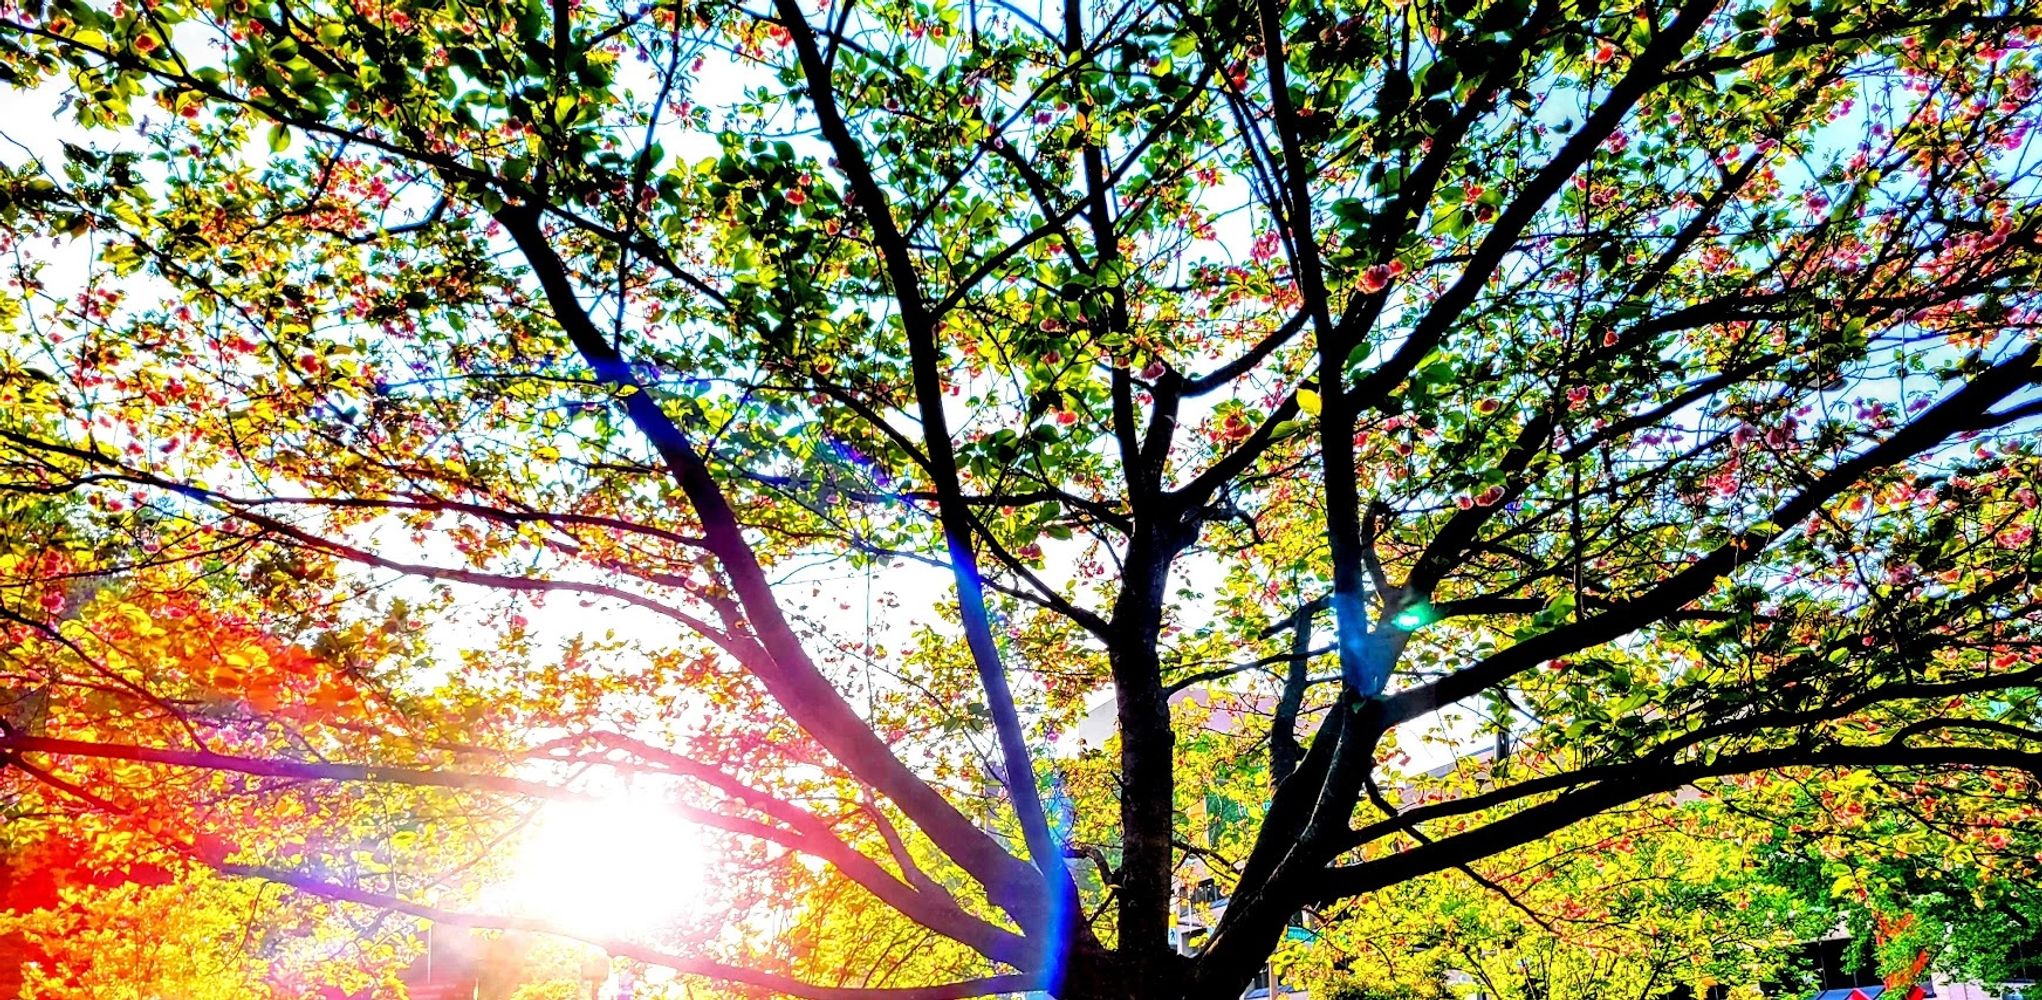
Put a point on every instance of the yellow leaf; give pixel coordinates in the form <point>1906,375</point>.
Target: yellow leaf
<point>1308,401</point>
<point>138,620</point>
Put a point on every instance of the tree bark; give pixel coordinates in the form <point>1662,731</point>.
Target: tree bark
<point>1147,749</point>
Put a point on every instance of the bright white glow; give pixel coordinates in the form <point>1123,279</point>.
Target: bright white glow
<point>621,867</point>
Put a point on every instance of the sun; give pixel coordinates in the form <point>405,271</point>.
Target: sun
<point>623,866</point>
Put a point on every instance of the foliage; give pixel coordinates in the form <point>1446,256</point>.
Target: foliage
<point>120,875</point>
<point>1651,386</point>
<point>1648,901</point>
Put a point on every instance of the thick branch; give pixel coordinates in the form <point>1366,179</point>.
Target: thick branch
<point>926,364</point>
<point>810,836</point>
<point>781,663</point>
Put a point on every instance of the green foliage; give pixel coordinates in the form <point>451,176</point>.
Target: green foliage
<point>1648,388</point>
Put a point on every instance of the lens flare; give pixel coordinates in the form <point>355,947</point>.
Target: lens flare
<point>619,867</point>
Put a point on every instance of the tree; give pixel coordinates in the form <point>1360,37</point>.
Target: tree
<point>1647,383</point>
<point>108,885</point>
<point>1694,895</point>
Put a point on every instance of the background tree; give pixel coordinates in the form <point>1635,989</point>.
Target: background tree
<point>1647,382</point>
<point>118,627</point>
<point>1696,894</point>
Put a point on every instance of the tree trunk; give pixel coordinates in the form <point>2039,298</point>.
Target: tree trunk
<point>1106,975</point>
<point>1147,750</point>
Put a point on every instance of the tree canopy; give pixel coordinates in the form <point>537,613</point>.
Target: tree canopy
<point>1648,387</point>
